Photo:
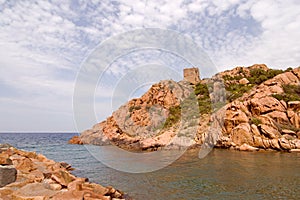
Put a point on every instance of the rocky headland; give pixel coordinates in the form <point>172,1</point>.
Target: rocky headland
<point>254,108</point>
<point>31,176</point>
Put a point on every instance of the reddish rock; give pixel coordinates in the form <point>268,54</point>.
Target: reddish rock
<point>26,165</point>
<point>255,130</point>
<point>234,116</point>
<point>246,147</point>
<point>69,195</point>
<point>294,105</point>
<point>265,105</point>
<point>5,160</point>
<point>35,191</point>
<point>269,131</point>
<point>288,132</point>
<point>279,117</point>
<point>55,186</point>
<point>286,78</point>
<point>254,119</point>
<point>241,134</point>
<point>284,143</point>
<point>75,140</point>
<point>274,144</point>
<point>5,193</point>
<point>294,118</point>
<point>296,71</point>
<point>62,177</point>
<point>35,176</point>
<point>39,178</point>
<point>258,142</point>
<point>244,81</point>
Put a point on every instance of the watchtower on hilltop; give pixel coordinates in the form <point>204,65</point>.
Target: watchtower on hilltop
<point>191,75</point>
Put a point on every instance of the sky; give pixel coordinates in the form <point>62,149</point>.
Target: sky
<point>43,45</point>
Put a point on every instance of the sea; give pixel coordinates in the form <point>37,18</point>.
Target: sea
<point>222,174</point>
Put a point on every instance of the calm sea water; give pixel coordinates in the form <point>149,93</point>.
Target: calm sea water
<point>223,174</point>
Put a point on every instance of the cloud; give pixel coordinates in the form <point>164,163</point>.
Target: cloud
<point>43,43</point>
<point>277,44</point>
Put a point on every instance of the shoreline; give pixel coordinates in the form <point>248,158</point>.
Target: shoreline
<point>28,175</point>
<point>75,140</point>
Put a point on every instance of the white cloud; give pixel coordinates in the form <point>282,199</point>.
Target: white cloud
<point>42,43</point>
<point>278,43</point>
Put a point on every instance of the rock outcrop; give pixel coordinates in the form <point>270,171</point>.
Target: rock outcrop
<point>261,119</point>
<point>140,124</point>
<point>36,177</point>
<point>262,112</point>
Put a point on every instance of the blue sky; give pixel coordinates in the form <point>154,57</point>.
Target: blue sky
<point>43,43</point>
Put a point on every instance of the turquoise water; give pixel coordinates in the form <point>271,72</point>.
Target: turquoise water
<point>223,174</point>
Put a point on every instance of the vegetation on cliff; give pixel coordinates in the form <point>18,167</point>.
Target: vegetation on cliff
<point>261,112</point>
<point>291,93</point>
<point>204,101</point>
<point>254,77</point>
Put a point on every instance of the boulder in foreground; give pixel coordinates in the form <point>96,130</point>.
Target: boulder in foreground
<point>33,176</point>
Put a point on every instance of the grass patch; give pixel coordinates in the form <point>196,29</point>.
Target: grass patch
<point>255,121</point>
<point>133,108</point>
<point>173,117</point>
<point>231,78</point>
<point>257,76</point>
<point>291,93</point>
<point>204,102</point>
<point>235,91</point>
<point>288,126</point>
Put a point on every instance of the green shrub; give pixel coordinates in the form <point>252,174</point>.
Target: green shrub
<point>204,102</point>
<point>235,91</point>
<point>259,75</point>
<point>291,93</point>
<point>279,97</point>
<point>201,89</point>
<point>173,117</point>
<point>204,106</point>
<point>287,126</point>
<point>255,121</point>
<point>273,72</point>
<point>132,108</point>
<point>292,89</point>
<point>230,78</point>
<point>288,69</point>
<point>137,107</point>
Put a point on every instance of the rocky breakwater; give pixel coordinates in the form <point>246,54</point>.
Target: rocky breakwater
<point>265,117</point>
<point>32,176</point>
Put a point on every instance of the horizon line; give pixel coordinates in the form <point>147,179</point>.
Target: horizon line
<point>1,132</point>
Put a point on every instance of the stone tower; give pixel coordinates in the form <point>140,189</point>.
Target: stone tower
<point>191,75</point>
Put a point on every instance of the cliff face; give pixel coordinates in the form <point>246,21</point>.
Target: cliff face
<point>266,117</point>
<point>148,122</point>
<point>262,112</point>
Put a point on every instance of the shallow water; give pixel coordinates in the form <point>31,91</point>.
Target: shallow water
<point>223,174</point>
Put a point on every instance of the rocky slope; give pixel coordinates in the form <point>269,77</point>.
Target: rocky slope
<point>266,117</point>
<point>148,122</point>
<point>260,109</point>
<point>30,176</point>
